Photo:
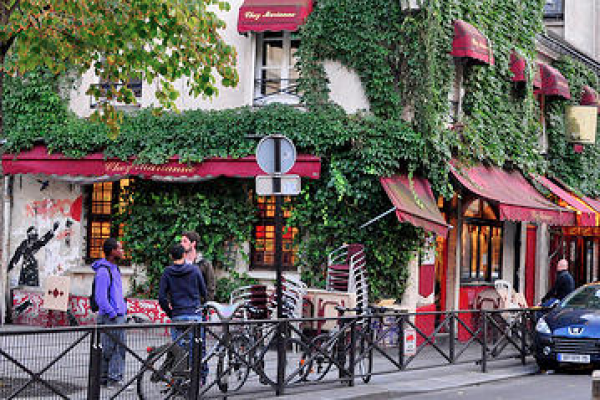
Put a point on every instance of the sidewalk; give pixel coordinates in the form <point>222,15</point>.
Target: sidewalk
<point>429,372</point>
<point>405,383</point>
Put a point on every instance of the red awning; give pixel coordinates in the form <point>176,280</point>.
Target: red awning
<point>518,66</point>
<point>553,83</point>
<point>95,167</point>
<point>469,42</point>
<point>415,203</point>
<point>585,215</point>
<point>594,203</point>
<point>589,97</point>
<point>273,15</point>
<point>517,200</point>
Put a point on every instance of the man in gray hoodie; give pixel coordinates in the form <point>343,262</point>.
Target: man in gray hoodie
<point>112,310</point>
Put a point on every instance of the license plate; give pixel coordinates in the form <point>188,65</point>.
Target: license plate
<point>574,358</point>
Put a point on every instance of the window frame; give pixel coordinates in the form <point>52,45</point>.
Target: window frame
<point>467,276</point>
<point>285,68</point>
<point>268,221</point>
<point>556,9</point>
<point>91,217</point>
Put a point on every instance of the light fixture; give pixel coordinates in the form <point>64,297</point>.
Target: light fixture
<point>410,5</point>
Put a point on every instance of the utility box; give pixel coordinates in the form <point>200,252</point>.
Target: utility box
<point>581,124</point>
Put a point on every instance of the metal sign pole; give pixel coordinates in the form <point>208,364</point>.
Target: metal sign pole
<point>278,256</point>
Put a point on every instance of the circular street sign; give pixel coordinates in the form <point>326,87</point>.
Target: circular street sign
<point>265,154</point>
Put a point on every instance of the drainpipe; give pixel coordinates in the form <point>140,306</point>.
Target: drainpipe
<point>5,300</point>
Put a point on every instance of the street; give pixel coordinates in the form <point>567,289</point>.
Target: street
<point>573,385</point>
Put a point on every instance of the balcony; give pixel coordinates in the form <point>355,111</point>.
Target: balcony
<point>271,91</point>
<point>554,9</point>
<point>135,86</point>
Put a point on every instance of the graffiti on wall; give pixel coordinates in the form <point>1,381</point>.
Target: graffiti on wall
<point>51,225</point>
<point>26,252</point>
<point>53,208</point>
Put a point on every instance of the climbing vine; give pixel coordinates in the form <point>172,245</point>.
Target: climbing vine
<point>581,171</point>
<point>404,63</point>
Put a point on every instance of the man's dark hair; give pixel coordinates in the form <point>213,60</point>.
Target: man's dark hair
<point>192,236</point>
<point>109,245</point>
<point>177,251</point>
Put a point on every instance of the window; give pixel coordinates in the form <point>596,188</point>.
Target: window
<point>263,251</point>
<point>482,233</point>
<point>554,9</point>
<point>276,74</point>
<point>134,84</point>
<point>105,199</point>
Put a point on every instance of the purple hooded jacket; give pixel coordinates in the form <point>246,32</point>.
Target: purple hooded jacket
<point>115,304</point>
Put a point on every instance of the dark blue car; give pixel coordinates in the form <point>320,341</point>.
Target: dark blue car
<point>570,333</point>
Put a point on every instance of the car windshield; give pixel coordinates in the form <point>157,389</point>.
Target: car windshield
<point>587,297</point>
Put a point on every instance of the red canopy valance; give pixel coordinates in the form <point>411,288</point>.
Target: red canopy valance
<point>553,83</point>
<point>518,66</point>
<point>585,214</point>
<point>273,15</point>
<point>95,167</point>
<point>415,203</point>
<point>517,200</point>
<point>589,97</point>
<point>469,42</point>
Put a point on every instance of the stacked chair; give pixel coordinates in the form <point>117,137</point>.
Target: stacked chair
<point>256,298</point>
<point>347,272</point>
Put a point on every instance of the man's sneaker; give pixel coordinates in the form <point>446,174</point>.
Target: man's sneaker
<point>118,385</point>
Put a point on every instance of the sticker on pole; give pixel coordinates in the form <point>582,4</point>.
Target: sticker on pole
<point>410,342</point>
<point>271,147</point>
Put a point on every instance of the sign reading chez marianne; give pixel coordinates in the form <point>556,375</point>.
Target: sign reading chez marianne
<point>273,15</point>
<point>126,168</point>
<point>258,15</point>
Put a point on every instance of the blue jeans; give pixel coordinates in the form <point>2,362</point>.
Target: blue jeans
<point>176,332</point>
<point>113,354</point>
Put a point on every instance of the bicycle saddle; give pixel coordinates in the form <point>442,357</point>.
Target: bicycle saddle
<point>224,311</point>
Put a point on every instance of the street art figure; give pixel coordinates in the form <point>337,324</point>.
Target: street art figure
<point>27,249</point>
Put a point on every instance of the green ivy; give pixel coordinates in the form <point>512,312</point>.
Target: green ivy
<point>404,63</point>
<point>580,171</point>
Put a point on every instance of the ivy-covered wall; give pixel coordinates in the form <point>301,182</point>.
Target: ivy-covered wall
<point>405,66</point>
<point>581,171</point>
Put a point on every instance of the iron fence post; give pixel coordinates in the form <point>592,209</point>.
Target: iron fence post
<point>401,342</point>
<point>196,371</point>
<point>451,336</point>
<point>95,366</point>
<point>484,344</point>
<point>340,355</point>
<point>351,366</point>
<point>281,357</point>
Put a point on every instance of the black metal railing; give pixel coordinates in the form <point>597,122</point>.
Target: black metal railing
<point>107,87</point>
<point>554,9</point>
<point>276,90</point>
<point>214,359</point>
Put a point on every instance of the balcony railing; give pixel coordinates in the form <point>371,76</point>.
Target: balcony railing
<point>271,91</point>
<point>135,87</point>
<point>554,9</point>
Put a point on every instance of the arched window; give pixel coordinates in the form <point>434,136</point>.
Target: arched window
<point>481,258</point>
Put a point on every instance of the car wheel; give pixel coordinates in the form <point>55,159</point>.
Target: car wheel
<point>546,365</point>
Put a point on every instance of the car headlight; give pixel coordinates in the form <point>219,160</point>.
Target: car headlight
<point>542,327</point>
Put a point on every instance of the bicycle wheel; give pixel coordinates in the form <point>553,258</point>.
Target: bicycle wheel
<point>365,354</point>
<point>298,365</point>
<point>233,365</point>
<point>158,381</point>
<point>319,357</point>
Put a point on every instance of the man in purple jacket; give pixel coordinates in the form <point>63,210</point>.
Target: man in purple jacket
<point>111,311</point>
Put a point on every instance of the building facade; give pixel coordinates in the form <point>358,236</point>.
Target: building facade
<point>56,225</point>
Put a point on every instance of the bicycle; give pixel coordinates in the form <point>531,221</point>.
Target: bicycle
<point>333,347</point>
<point>167,368</point>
